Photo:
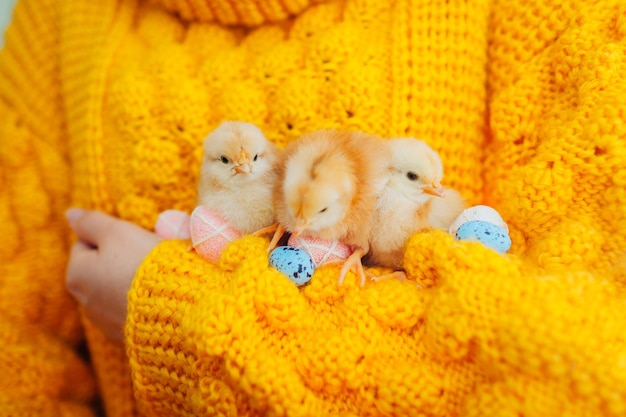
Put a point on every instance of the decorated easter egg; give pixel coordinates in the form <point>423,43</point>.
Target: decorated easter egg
<point>482,213</point>
<point>321,250</point>
<point>173,224</point>
<point>486,233</point>
<point>210,233</point>
<point>294,263</point>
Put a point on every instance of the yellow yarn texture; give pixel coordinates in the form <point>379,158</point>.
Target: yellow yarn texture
<point>105,105</point>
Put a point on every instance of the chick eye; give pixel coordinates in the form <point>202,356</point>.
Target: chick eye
<point>412,176</point>
<point>256,157</point>
<point>323,210</point>
<point>224,159</point>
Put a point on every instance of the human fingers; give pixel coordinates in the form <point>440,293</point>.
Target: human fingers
<point>94,287</point>
<point>90,226</point>
<point>79,267</point>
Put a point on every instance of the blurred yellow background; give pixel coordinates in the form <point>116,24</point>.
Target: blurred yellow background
<point>6,8</point>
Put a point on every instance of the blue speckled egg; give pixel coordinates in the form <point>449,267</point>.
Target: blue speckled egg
<point>488,234</point>
<point>294,263</point>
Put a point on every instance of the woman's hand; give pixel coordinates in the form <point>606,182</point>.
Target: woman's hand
<point>103,263</point>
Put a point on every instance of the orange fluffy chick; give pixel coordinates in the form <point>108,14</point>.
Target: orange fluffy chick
<point>238,175</point>
<point>411,201</point>
<point>327,188</point>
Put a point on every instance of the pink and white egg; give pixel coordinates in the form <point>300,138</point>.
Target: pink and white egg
<point>321,251</point>
<point>173,224</point>
<point>209,232</point>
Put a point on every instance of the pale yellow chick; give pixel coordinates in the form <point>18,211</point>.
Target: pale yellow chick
<point>327,188</point>
<point>238,175</point>
<point>411,201</point>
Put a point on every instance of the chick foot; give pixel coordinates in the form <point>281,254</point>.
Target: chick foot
<point>278,230</point>
<point>353,260</point>
<point>399,275</point>
<point>266,230</point>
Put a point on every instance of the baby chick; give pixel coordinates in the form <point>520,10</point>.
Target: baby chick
<point>238,175</point>
<point>412,201</point>
<point>327,188</point>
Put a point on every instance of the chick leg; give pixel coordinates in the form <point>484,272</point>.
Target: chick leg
<point>280,231</point>
<point>275,228</point>
<point>353,260</point>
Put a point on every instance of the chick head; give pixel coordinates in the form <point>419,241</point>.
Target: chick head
<point>416,169</point>
<point>236,152</point>
<point>318,191</point>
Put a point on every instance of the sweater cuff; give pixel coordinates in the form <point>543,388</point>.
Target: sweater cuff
<point>163,299</point>
<point>166,285</point>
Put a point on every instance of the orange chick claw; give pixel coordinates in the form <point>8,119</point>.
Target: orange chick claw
<point>353,260</point>
<point>400,275</point>
<point>266,230</point>
<point>278,233</point>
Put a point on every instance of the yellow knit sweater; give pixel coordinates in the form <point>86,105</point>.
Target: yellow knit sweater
<point>104,105</point>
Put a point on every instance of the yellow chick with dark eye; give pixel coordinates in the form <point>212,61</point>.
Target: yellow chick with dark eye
<point>411,201</point>
<point>238,175</point>
<point>327,188</point>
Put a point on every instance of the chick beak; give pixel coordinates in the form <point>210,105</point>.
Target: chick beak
<point>435,189</point>
<point>242,165</point>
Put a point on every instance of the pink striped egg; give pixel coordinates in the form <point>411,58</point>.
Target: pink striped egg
<point>321,250</point>
<point>210,233</point>
<point>172,224</point>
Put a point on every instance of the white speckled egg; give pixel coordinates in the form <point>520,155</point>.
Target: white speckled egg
<point>486,233</point>
<point>294,263</point>
<point>482,213</point>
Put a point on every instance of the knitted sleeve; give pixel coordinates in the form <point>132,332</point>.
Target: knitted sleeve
<point>40,332</point>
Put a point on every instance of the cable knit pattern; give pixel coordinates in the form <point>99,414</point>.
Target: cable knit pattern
<point>105,105</point>
<point>236,12</point>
